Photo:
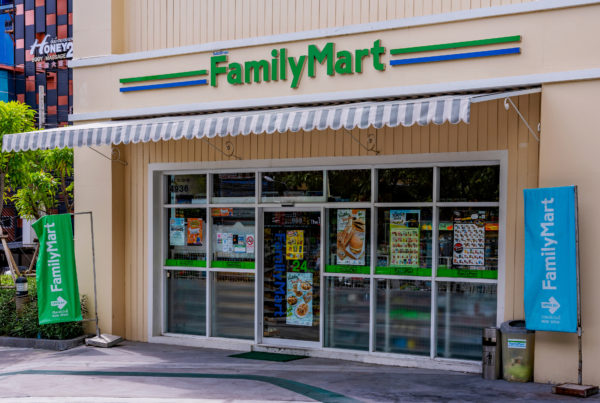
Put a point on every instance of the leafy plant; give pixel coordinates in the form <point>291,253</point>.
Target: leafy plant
<point>25,324</point>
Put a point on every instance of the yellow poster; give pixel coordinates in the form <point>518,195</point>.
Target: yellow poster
<point>294,245</point>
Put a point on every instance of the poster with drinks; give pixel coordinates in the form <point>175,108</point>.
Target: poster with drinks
<point>177,232</point>
<point>294,245</point>
<point>351,226</point>
<point>299,298</point>
<point>469,244</point>
<point>195,231</point>
<point>405,237</point>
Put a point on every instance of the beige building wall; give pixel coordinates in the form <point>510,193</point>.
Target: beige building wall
<point>492,127</point>
<point>158,24</point>
<point>569,156</point>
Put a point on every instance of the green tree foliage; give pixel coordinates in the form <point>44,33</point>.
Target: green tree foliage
<point>36,179</point>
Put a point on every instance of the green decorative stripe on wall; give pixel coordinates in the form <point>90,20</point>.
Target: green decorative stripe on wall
<point>164,76</point>
<point>185,263</point>
<point>455,45</point>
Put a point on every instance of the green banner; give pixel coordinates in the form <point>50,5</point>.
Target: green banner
<point>58,293</point>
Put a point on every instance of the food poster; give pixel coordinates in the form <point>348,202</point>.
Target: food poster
<point>469,244</point>
<point>299,299</point>
<point>294,245</point>
<point>351,225</point>
<point>195,229</point>
<point>177,232</point>
<point>405,237</point>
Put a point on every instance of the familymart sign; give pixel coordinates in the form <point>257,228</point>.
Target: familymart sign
<point>58,293</point>
<point>279,64</point>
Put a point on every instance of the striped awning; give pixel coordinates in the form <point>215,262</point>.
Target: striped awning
<point>438,110</point>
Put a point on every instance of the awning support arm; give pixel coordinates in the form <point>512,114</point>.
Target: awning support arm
<point>371,142</point>
<point>115,155</point>
<point>507,103</point>
<point>229,148</point>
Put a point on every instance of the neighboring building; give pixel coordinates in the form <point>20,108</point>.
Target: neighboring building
<point>343,178</point>
<point>45,22</point>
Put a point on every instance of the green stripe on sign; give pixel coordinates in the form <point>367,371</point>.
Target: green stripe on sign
<point>163,76</point>
<point>455,45</point>
<point>185,263</point>
<point>231,265</point>
<point>468,273</point>
<point>346,268</point>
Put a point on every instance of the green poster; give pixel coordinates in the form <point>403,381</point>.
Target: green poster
<point>58,294</point>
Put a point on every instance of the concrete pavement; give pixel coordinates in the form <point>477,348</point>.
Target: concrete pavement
<point>154,373</point>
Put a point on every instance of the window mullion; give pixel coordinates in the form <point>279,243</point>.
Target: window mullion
<point>434,262</point>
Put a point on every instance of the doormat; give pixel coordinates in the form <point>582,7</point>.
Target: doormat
<point>258,355</point>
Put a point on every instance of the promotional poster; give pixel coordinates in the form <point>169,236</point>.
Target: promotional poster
<point>351,225</point>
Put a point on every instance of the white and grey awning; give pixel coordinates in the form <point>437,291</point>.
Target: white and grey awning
<point>438,110</point>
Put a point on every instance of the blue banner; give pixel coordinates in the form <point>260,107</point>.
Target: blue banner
<point>551,259</point>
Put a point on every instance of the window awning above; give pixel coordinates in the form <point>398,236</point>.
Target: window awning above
<point>438,110</point>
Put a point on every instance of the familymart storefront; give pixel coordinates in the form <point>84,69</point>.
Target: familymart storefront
<point>352,193</point>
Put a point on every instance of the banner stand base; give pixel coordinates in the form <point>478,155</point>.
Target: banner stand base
<point>572,389</point>
<point>108,340</point>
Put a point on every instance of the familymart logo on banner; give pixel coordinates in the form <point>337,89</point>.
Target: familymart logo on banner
<point>58,293</point>
<point>551,259</point>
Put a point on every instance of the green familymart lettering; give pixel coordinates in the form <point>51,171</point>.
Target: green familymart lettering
<point>281,66</point>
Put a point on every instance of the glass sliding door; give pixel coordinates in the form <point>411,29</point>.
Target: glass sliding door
<point>292,276</point>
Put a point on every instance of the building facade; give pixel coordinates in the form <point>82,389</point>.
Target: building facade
<point>341,178</point>
<point>32,60</point>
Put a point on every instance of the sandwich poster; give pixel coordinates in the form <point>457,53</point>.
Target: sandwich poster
<point>351,224</point>
<point>299,299</point>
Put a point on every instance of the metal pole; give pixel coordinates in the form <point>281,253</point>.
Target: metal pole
<point>579,330</point>
<point>93,268</point>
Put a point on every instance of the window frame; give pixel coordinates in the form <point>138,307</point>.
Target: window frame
<point>497,158</point>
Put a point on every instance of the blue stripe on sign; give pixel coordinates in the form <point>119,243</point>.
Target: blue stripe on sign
<point>457,56</point>
<point>166,85</point>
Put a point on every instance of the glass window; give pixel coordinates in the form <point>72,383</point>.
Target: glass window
<point>403,319</point>
<point>473,183</point>
<point>233,243</point>
<point>186,237</point>
<point>237,186</point>
<point>349,241</point>
<point>233,305</point>
<point>186,302</point>
<point>347,316</point>
<point>463,310</point>
<point>296,185</point>
<point>352,185</point>
<point>404,244</point>
<point>186,189</point>
<point>405,185</point>
<point>468,243</point>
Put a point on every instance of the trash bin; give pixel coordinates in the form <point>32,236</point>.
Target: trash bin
<point>518,346</point>
<point>490,364</point>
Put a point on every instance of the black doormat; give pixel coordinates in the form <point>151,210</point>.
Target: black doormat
<point>257,355</point>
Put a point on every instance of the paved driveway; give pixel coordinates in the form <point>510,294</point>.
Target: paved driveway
<point>133,372</point>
